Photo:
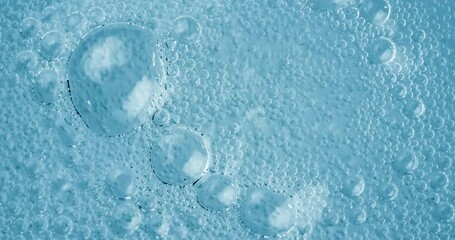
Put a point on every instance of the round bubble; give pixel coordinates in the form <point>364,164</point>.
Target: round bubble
<point>443,211</point>
<point>180,157</point>
<point>62,225</point>
<point>161,117</point>
<point>377,11</point>
<point>121,182</point>
<point>45,86</point>
<point>186,29</point>
<point>266,213</point>
<point>52,44</point>
<point>29,27</point>
<point>388,191</point>
<point>115,78</point>
<point>26,60</point>
<point>414,108</point>
<point>125,218</point>
<point>381,51</point>
<point>217,193</point>
<point>405,162</point>
<point>353,185</point>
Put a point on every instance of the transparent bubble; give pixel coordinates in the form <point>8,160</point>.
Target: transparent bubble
<point>377,11</point>
<point>96,15</point>
<point>439,180</point>
<point>45,86</point>
<point>26,60</point>
<point>381,51</point>
<point>217,193</point>
<point>266,213</point>
<point>161,117</point>
<point>388,191</point>
<point>125,218</point>
<point>414,108</point>
<point>353,185</point>
<point>115,76</point>
<point>62,225</point>
<point>443,211</point>
<point>121,182</point>
<point>29,27</point>
<point>73,20</point>
<point>180,157</point>
<point>405,162</point>
<point>52,44</point>
<point>186,29</point>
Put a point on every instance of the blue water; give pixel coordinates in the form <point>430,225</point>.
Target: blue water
<point>311,119</point>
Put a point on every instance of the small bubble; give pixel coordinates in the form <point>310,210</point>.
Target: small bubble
<point>161,117</point>
<point>186,29</point>
<point>328,5</point>
<point>414,108</point>
<point>217,193</point>
<point>377,12</point>
<point>29,27</point>
<point>180,157</point>
<point>45,86</point>
<point>26,60</point>
<point>443,212</point>
<point>62,225</point>
<point>381,51</point>
<point>405,162</point>
<point>52,44</point>
<point>388,191</point>
<point>125,219</point>
<point>266,213</point>
<point>121,182</point>
<point>353,185</point>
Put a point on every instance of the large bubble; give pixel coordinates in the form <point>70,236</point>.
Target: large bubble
<point>115,77</point>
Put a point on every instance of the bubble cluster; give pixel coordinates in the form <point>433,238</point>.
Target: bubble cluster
<point>329,119</point>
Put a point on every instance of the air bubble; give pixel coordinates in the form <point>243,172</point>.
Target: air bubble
<point>161,117</point>
<point>388,191</point>
<point>29,27</point>
<point>328,5</point>
<point>217,193</point>
<point>377,11</point>
<point>26,60</point>
<point>125,219</point>
<point>381,51</point>
<point>266,213</point>
<point>443,211</point>
<point>121,182</point>
<point>180,157</point>
<point>52,44</point>
<point>62,225</point>
<point>414,108</point>
<point>186,29</point>
<point>115,76</point>
<point>405,162</point>
<point>353,185</point>
<point>45,86</point>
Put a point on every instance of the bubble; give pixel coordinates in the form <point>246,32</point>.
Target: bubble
<point>357,216</point>
<point>443,212</point>
<point>26,60</point>
<point>414,108</point>
<point>388,191</point>
<point>327,5</point>
<point>377,11</point>
<point>96,15</point>
<point>381,51</point>
<point>266,213</point>
<point>29,27</point>
<point>52,44</point>
<point>125,219</point>
<point>353,185</point>
<point>217,193</point>
<point>405,162</point>
<point>73,20</point>
<point>115,76</point>
<point>186,29</point>
<point>45,86</point>
<point>121,182</point>
<point>399,91</point>
<point>439,180</point>
<point>161,117</point>
<point>180,157</point>
<point>62,225</point>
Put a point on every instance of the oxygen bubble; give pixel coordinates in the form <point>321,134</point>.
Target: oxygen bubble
<point>73,20</point>
<point>29,27</point>
<point>405,162</point>
<point>26,60</point>
<point>161,117</point>
<point>62,225</point>
<point>439,180</point>
<point>121,182</point>
<point>52,44</point>
<point>443,212</point>
<point>96,15</point>
<point>46,86</point>
<point>115,76</point>
<point>217,193</point>
<point>377,11</point>
<point>414,108</point>
<point>186,30</point>
<point>180,157</point>
<point>388,191</point>
<point>266,213</point>
<point>353,185</point>
<point>399,91</point>
<point>382,51</point>
<point>125,219</point>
